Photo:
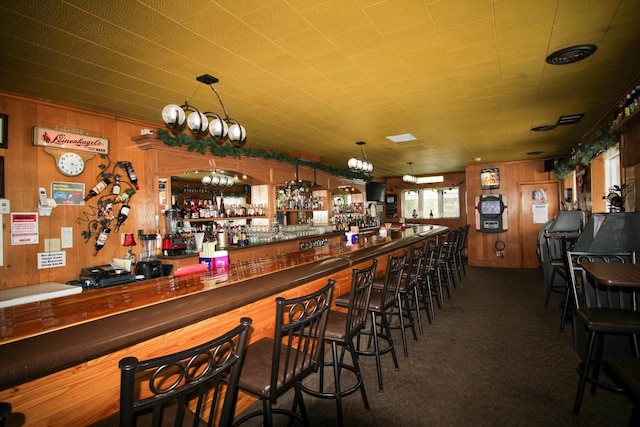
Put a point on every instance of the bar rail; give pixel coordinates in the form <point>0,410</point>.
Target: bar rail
<point>40,338</point>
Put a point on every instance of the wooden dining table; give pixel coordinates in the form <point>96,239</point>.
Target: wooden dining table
<point>614,274</point>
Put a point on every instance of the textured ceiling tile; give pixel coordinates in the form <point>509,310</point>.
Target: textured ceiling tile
<point>307,44</point>
<point>571,10</point>
<point>407,39</point>
<point>476,32</point>
<point>329,62</point>
<point>336,16</point>
<point>513,12</point>
<point>388,16</point>
<point>525,32</point>
<point>378,59</point>
<point>360,40</point>
<point>453,13</point>
<point>477,53</point>
<point>276,20</point>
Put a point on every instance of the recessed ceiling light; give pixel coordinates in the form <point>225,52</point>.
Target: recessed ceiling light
<point>534,153</point>
<point>571,54</point>
<point>405,137</point>
<point>543,128</point>
<point>477,159</point>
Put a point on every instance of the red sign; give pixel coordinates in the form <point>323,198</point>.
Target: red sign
<point>46,137</point>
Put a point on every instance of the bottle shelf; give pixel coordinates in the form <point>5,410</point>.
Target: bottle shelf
<point>220,218</point>
<point>629,122</point>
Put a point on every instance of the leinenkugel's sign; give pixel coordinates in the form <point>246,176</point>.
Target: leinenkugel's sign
<point>46,137</point>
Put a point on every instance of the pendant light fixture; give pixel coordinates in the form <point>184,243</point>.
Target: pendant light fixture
<point>360,165</point>
<point>410,179</point>
<point>202,123</point>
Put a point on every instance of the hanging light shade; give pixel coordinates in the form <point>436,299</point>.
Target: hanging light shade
<point>206,123</point>
<point>173,116</point>
<point>206,180</point>
<point>237,133</point>
<point>360,165</point>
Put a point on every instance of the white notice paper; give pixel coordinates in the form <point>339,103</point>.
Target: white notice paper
<point>540,213</point>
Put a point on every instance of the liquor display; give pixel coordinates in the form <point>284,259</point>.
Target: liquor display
<point>101,240</point>
<point>122,216</point>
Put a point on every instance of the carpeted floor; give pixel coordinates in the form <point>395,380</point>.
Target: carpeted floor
<point>492,357</point>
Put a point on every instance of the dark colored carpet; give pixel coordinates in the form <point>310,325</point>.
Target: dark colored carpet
<point>492,357</point>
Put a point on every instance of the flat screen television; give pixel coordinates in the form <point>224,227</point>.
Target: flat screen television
<point>375,191</point>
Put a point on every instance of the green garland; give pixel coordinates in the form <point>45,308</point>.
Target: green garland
<point>585,152</point>
<point>202,145</point>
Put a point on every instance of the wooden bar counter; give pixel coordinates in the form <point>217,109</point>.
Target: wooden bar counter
<point>59,357</point>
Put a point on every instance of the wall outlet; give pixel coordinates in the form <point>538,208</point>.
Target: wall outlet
<point>5,206</point>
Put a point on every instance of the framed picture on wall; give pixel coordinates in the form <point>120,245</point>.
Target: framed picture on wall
<point>4,124</point>
<point>489,178</point>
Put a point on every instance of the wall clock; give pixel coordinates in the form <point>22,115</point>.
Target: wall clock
<point>69,162</point>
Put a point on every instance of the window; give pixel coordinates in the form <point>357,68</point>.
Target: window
<point>431,203</point>
<point>611,168</point>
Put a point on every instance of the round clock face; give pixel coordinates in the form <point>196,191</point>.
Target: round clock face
<point>71,164</point>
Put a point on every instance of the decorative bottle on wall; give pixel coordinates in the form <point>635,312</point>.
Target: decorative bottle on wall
<point>97,189</point>
<point>101,240</point>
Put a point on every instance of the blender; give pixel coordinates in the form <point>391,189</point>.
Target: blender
<point>149,266</point>
<point>173,243</point>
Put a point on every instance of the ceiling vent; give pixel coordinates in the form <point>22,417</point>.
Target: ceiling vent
<point>570,119</point>
<point>571,54</point>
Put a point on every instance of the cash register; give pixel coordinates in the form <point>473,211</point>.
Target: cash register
<point>103,276</point>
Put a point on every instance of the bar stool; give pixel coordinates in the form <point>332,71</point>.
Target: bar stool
<point>381,302</point>
<point>342,329</point>
<point>157,391</point>
<point>275,365</point>
<point>406,296</point>
<point>607,312</point>
<point>427,283</point>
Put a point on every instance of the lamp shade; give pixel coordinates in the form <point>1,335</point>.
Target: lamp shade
<point>129,240</point>
<point>197,122</point>
<point>173,116</point>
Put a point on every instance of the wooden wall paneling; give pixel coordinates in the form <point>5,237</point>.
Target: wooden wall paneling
<point>482,245</point>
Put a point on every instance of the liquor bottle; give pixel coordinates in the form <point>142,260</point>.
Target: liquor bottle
<point>131,173</point>
<point>101,240</point>
<point>158,237</point>
<point>627,105</point>
<point>222,208</point>
<point>115,190</point>
<point>97,189</point>
<point>124,196</point>
<point>122,216</point>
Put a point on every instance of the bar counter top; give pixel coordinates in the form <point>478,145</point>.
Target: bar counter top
<point>39,338</point>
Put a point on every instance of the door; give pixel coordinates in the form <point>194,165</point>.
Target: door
<point>539,203</point>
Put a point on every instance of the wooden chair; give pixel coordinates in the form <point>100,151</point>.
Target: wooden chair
<point>603,312</point>
<point>275,365</point>
<point>175,389</point>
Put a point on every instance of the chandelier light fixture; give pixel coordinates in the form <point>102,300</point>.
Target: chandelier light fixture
<point>360,165</point>
<point>410,179</point>
<point>203,123</point>
<point>217,180</point>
